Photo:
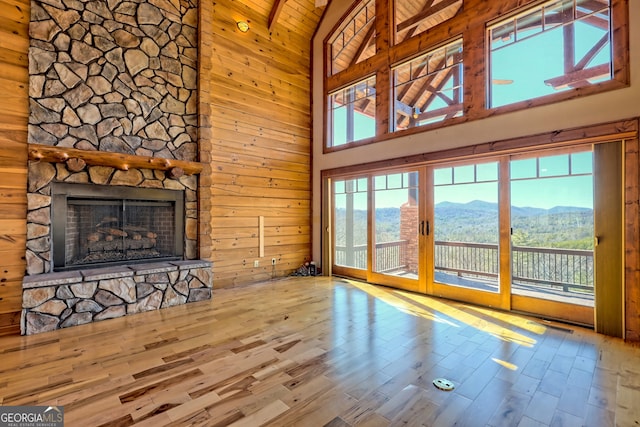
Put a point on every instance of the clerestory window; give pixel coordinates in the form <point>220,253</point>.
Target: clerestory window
<point>556,46</point>
<point>355,40</point>
<point>428,64</point>
<point>417,16</point>
<point>353,112</point>
<point>428,89</point>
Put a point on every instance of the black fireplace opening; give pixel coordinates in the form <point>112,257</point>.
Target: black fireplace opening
<point>95,225</point>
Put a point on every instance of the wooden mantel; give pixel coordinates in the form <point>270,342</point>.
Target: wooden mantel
<point>51,154</point>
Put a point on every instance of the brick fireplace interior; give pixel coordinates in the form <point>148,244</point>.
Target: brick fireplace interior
<point>96,225</point>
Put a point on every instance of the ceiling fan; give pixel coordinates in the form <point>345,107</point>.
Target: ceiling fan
<point>502,81</point>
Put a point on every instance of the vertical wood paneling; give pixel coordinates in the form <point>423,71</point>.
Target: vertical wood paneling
<point>205,67</point>
<point>14,112</point>
<point>259,99</point>
<point>608,228</point>
<point>632,240</point>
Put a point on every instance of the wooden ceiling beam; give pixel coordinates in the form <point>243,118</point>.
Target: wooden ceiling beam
<point>592,52</point>
<point>275,13</point>
<point>424,14</point>
<point>364,45</point>
<point>449,111</point>
<point>579,76</point>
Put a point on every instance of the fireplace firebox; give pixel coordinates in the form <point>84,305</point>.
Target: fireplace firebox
<point>101,225</point>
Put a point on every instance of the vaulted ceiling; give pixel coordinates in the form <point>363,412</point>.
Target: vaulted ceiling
<point>301,16</point>
<point>299,5</point>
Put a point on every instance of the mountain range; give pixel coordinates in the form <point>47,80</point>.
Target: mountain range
<point>488,207</point>
<point>477,221</point>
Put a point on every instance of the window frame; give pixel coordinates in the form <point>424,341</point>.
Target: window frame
<point>429,74</point>
<point>331,110</point>
<point>539,7</point>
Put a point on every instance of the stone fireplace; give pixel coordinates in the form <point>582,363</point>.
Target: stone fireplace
<point>132,213</point>
<point>112,222</point>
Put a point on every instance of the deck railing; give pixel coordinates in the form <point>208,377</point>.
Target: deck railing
<point>565,269</point>
<point>471,259</point>
<point>569,269</point>
<point>390,256</point>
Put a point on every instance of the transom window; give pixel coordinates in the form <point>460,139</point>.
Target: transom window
<point>466,174</point>
<point>552,166</point>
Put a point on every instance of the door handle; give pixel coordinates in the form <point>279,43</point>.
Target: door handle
<point>424,228</point>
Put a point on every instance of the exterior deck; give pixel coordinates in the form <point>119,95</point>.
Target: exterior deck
<point>551,273</point>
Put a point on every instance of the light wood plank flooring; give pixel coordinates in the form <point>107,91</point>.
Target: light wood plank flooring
<point>324,352</point>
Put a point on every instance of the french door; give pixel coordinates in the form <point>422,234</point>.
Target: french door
<point>552,242</point>
<point>467,235</point>
<point>375,228</point>
<point>395,246</point>
<point>515,232</point>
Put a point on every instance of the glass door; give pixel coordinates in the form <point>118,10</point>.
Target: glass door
<point>395,230</point>
<point>511,232</point>
<point>350,230</point>
<point>553,234</point>
<point>465,233</point>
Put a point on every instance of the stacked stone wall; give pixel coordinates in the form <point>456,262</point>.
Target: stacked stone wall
<point>116,76</point>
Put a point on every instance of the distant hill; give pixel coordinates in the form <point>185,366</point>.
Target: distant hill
<point>482,206</point>
<point>477,221</point>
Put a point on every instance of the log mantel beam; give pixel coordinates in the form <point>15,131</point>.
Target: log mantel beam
<point>51,154</point>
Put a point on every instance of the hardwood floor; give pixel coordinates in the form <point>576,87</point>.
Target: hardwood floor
<point>324,352</point>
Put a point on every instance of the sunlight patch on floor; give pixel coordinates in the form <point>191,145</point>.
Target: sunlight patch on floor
<point>399,303</point>
<point>427,307</point>
<point>505,364</point>
<point>518,321</point>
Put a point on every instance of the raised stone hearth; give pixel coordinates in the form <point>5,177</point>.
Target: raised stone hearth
<point>59,300</point>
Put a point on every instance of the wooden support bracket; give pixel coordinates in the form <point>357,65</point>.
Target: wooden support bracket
<point>51,154</point>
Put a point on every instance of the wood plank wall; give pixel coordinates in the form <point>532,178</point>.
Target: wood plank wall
<point>259,105</point>
<point>632,239</point>
<point>205,66</point>
<point>14,112</point>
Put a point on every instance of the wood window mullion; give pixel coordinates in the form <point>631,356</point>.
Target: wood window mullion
<point>384,17</point>
<point>476,77</point>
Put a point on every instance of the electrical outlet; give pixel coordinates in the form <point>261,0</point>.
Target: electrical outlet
<point>273,261</point>
<point>256,263</point>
